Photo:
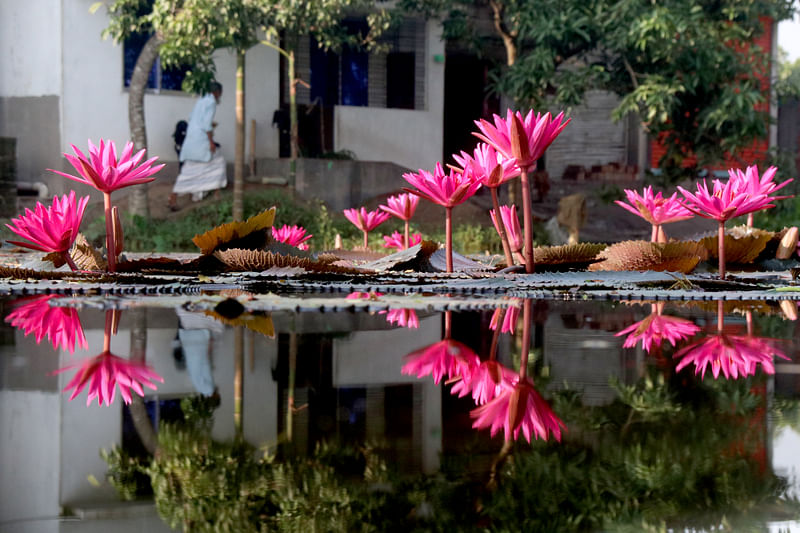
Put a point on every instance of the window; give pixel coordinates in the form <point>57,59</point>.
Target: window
<point>393,79</point>
<point>160,79</point>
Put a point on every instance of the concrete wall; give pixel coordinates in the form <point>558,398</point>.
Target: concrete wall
<point>95,102</point>
<point>412,139</point>
<point>30,82</point>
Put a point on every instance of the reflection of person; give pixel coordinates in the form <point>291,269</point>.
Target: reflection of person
<point>203,167</point>
<point>196,334</point>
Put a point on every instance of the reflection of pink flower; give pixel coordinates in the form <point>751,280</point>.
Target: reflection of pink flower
<point>484,381</point>
<point>655,209</point>
<point>402,205</point>
<point>104,172</point>
<point>366,220</point>
<point>519,407</point>
<point>291,235</point>
<point>398,241</point>
<point>656,328</point>
<point>60,325</point>
<point>489,167</point>
<point>363,295</point>
<point>508,216</point>
<point>510,315</point>
<point>734,355</point>
<point>50,229</point>
<point>406,318</point>
<point>445,358</point>
<point>104,372</point>
<point>447,190</point>
<point>536,134</point>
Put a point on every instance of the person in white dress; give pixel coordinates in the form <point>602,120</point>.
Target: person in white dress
<point>203,167</point>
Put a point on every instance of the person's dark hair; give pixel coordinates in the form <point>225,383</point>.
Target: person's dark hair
<point>214,87</point>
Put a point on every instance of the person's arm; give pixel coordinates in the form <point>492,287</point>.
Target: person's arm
<point>211,145</point>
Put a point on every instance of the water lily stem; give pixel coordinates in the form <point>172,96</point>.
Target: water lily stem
<point>720,315</point>
<point>721,250</point>
<point>750,220</point>
<point>407,235</point>
<point>527,311</point>
<point>110,246</point>
<point>496,335</point>
<point>501,228</point>
<point>527,222</point>
<point>654,234</point>
<point>107,331</point>
<point>366,240</point>
<point>448,323</point>
<point>70,262</point>
<point>448,237</point>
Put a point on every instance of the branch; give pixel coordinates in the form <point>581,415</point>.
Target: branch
<point>507,35</point>
<point>631,72</point>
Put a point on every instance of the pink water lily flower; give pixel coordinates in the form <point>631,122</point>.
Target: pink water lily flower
<point>749,182</point>
<point>406,318</point>
<point>402,206</point>
<point>395,240</point>
<point>515,408</point>
<point>510,224</point>
<point>51,229</point>
<point>655,209</point>
<point>485,381</point>
<point>525,142</point>
<point>524,139</point>
<point>724,202</point>
<point>734,356</point>
<point>104,373</point>
<point>366,221</point>
<point>446,358</point>
<point>656,328</point>
<point>291,235</point>
<point>447,190</point>
<point>61,325</point>
<point>492,169</point>
<point>488,166</point>
<point>103,171</point>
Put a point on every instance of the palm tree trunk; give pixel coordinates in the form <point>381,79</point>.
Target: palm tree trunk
<point>137,202</point>
<point>141,420</point>
<point>238,166</point>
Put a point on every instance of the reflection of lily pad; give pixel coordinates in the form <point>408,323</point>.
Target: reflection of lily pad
<point>155,265</point>
<point>676,256</point>
<point>742,244</point>
<point>249,234</point>
<point>258,322</point>
<point>258,260</point>
<point>567,256</point>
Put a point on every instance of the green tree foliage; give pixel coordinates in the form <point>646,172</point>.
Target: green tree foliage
<point>682,66</point>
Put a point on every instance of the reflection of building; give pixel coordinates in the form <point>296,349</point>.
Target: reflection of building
<point>49,446</point>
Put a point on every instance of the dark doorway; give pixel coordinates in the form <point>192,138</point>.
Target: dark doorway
<point>465,99</point>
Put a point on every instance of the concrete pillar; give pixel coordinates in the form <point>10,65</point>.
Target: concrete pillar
<point>8,176</point>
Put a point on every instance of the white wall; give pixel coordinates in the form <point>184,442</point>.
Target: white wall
<point>413,139</point>
<point>30,47</point>
<point>29,455</point>
<point>95,103</point>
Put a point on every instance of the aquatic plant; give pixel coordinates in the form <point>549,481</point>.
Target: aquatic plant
<point>750,182</point>
<point>366,221</point>
<point>51,229</point>
<point>492,170</point>
<point>61,325</point>
<point>291,235</point>
<point>445,189</point>
<point>105,172</point>
<point>655,209</point>
<point>402,206</point>
<point>508,229</point>
<point>656,328</point>
<point>524,139</point>
<point>395,240</point>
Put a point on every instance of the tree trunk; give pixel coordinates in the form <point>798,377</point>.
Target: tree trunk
<point>137,202</point>
<point>141,420</point>
<point>238,166</point>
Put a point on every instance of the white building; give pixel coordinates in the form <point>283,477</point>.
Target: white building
<point>61,83</point>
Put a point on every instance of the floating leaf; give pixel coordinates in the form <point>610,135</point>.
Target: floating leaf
<point>56,258</point>
<point>86,256</point>
<point>155,265</point>
<point>742,244</point>
<point>249,234</point>
<point>676,256</point>
<point>569,255</point>
<point>258,260</point>
<point>258,322</point>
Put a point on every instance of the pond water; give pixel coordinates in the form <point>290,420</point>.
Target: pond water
<point>364,421</point>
